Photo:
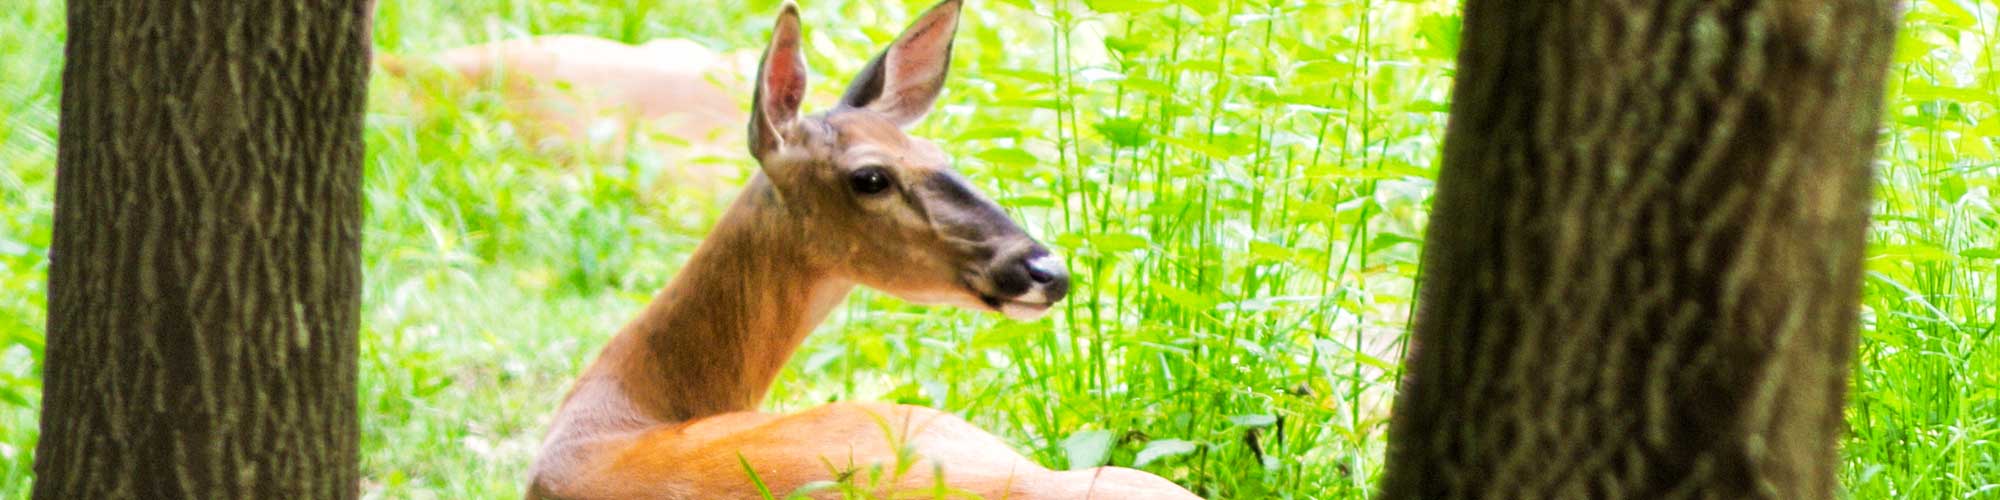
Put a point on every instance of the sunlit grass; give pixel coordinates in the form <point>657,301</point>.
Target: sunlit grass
<point>1240,188</point>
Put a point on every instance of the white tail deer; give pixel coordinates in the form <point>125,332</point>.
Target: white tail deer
<point>842,198</point>
<point>585,95</point>
<point>678,82</point>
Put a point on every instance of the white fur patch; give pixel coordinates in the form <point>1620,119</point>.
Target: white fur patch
<point>1024,312</point>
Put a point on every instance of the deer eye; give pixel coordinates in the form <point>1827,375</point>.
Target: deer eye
<point>869,180</point>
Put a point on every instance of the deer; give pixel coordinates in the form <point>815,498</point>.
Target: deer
<point>576,83</point>
<point>587,98</point>
<point>840,199</point>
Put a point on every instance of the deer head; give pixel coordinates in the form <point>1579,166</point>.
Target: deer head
<point>882,208</point>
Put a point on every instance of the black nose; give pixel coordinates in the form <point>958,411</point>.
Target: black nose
<point>1047,272</point>
<point>1040,271</point>
<point>1034,276</point>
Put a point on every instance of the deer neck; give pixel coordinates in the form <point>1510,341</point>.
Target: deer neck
<point>713,340</point>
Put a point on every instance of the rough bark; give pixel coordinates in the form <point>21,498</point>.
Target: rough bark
<point>1644,260</point>
<point>204,283</point>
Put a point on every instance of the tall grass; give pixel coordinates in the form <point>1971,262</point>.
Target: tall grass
<point>1239,186</point>
<point>1925,404</point>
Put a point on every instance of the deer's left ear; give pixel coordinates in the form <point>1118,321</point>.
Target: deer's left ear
<point>904,81</point>
<point>781,85</point>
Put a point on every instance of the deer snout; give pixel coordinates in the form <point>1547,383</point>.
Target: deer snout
<point>1026,284</point>
<point>1051,279</point>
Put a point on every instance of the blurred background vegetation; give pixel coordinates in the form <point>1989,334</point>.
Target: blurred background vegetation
<point>1240,187</point>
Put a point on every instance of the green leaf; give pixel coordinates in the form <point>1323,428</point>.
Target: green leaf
<point>1270,251</point>
<point>15,397</point>
<point>1203,148</point>
<point>1314,212</point>
<point>1427,106</point>
<point>762,491</point>
<point>1181,297</point>
<point>1118,6</point>
<point>1958,12</point>
<point>1014,157</point>
<point>436,384</point>
<point>1253,421</point>
<point>1387,240</point>
<point>1125,46</point>
<point>1123,132</point>
<point>982,133</point>
<point>1925,92</point>
<point>1155,88</point>
<point>1980,253</point>
<point>1913,252</point>
<point>1087,449</point>
<point>1021,4</point>
<point>1324,70</point>
<point>1202,7</point>
<point>1440,34</point>
<point>1162,449</point>
<point>1117,242</point>
<point>1026,201</point>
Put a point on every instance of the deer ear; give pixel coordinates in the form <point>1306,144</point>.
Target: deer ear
<point>905,79</point>
<point>781,85</point>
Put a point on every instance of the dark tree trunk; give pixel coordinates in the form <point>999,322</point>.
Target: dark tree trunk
<point>204,284</point>
<point>1644,259</point>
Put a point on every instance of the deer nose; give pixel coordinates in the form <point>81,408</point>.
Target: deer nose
<point>1047,271</point>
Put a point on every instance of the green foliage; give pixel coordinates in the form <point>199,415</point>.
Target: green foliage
<point>1239,186</point>
<point>1924,410</point>
<point>29,49</point>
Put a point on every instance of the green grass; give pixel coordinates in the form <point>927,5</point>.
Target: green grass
<point>1240,188</point>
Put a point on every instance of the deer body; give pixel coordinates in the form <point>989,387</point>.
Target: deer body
<point>595,100</point>
<point>574,82</point>
<point>842,199</point>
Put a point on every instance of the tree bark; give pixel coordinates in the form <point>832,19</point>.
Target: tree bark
<point>1645,252</point>
<point>204,284</point>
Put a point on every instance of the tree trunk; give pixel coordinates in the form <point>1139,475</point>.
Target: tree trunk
<point>1644,260</point>
<point>204,284</point>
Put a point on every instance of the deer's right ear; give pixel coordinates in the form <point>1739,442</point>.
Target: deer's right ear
<point>904,81</point>
<point>781,85</point>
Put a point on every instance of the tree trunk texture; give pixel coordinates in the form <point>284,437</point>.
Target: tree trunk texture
<point>1645,256</point>
<point>205,276</point>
